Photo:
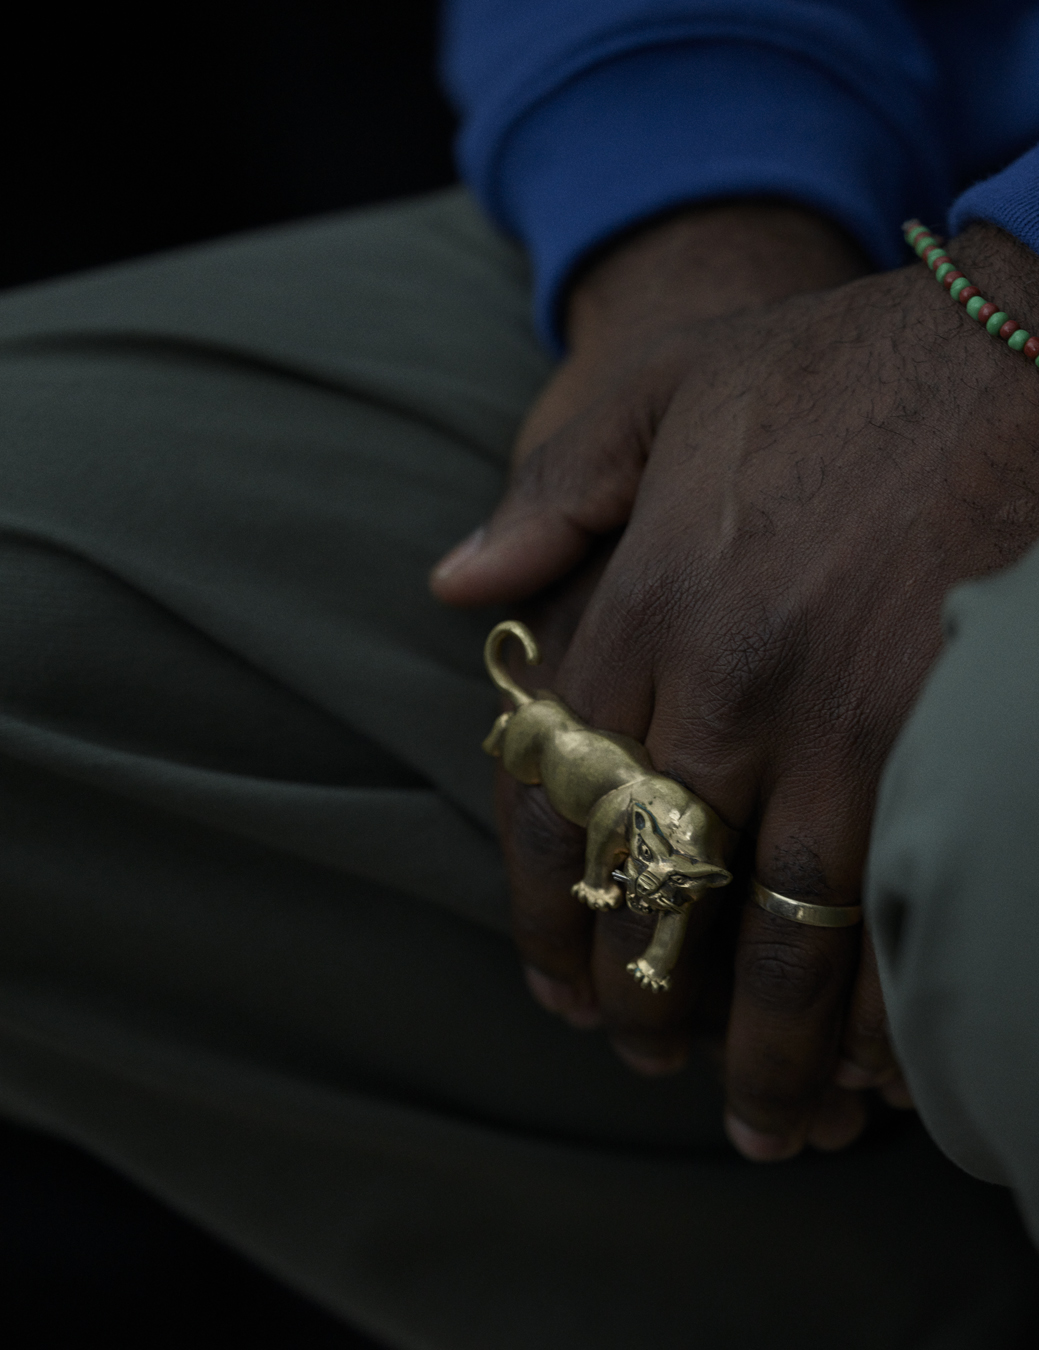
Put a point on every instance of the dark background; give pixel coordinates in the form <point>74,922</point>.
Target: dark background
<point>122,137</point>
<point>127,135</point>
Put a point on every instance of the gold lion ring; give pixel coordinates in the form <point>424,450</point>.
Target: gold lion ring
<point>650,841</point>
<point>799,911</point>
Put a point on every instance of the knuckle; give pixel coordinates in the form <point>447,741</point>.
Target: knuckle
<point>643,609</point>
<point>783,975</point>
<point>753,658</point>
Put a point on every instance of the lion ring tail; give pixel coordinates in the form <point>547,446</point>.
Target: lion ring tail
<point>492,656</point>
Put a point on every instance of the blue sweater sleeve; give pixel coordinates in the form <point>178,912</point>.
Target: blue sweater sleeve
<point>1008,120</point>
<point>1009,199</point>
<point>582,117</point>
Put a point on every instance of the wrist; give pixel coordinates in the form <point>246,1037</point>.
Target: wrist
<point>993,279</point>
<point>981,397</point>
<point>1005,271</point>
<point>703,263</point>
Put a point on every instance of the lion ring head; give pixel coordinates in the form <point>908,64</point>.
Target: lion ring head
<point>658,875</point>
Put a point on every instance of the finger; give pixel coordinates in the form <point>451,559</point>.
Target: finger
<point>867,1058</point>
<point>650,1030</point>
<point>793,980</point>
<point>544,853</point>
<point>544,856</point>
<point>607,677</point>
<point>578,484</point>
<point>783,1031</point>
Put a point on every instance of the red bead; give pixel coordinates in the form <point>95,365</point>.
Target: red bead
<point>968,293</point>
<point>950,277</point>
<point>1011,326</point>
<point>1031,348</point>
<point>986,312</point>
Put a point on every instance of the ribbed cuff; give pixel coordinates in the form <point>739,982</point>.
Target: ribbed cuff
<point>661,127</point>
<point>1009,199</point>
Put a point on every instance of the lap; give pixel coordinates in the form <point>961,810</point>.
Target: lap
<point>274,439</point>
<point>225,677</point>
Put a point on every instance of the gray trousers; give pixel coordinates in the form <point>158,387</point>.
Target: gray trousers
<point>253,938</point>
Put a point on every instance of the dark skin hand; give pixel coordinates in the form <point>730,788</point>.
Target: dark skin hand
<point>798,487</point>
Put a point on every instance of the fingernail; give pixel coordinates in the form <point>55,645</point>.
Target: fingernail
<point>460,554</point>
<point>854,1077</point>
<point>556,996</point>
<point>651,1065</point>
<point>758,1146</point>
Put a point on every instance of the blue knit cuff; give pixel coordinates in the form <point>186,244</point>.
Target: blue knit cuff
<point>661,127</point>
<point>1009,199</point>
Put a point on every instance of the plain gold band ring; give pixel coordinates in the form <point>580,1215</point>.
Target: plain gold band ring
<point>819,916</point>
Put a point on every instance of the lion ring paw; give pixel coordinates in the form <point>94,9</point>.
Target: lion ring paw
<point>648,977</point>
<point>596,897</point>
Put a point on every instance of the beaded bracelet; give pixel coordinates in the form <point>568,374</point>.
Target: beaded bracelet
<point>996,321</point>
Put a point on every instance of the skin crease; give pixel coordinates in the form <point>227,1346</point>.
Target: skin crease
<point>737,508</point>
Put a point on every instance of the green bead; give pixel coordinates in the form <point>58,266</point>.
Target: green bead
<point>936,259</point>
<point>914,234</point>
<point>943,270</point>
<point>1017,340</point>
<point>924,241</point>
<point>996,322</point>
<point>1037,360</point>
<point>974,304</point>
<point>960,284</point>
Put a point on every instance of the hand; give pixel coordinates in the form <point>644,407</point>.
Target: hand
<point>819,478</point>
<point>629,319</point>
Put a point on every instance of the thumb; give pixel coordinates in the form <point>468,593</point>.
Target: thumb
<point>578,484</point>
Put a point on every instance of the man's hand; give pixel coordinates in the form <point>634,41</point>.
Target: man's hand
<point>628,321</point>
<point>803,498</point>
